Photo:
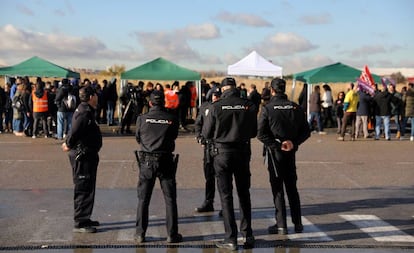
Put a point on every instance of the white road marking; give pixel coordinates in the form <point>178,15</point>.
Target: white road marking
<point>379,230</point>
<point>310,232</point>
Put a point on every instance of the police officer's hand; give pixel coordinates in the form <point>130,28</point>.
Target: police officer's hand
<point>201,140</point>
<point>287,146</point>
<point>65,148</point>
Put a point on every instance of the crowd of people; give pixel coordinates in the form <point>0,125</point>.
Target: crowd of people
<point>45,109</point>
<point>369,114</point>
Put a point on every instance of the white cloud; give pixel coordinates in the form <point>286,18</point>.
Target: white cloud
<point>3,63</point>
<point>292,65</point>
<point>169,45</point>
<point>243,19</point>
<point>203,31</point>
<point>174,44</point>
<point>283,44</point>
<point>407,72</point>
<point>367,50</point>
<point>25,10</point>
<point>318,19</point>
<point>22,43</point>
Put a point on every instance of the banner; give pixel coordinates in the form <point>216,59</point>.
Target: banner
<point>385,81</point>
<point>366,77</point>
<point>364,86</point>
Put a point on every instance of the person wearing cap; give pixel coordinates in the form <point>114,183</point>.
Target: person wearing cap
<point>231,123</point>
<point>83,144</point>
<point>156,132</point>
<point>208,166</point>
<point>282,127</point>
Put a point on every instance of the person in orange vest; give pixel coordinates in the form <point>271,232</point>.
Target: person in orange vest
<point>38,102</point>
<point>171,98</point>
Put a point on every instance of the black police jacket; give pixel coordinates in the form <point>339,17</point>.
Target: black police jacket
<point>231,119</point>
<point>84,129</point>
<point>157,130</point>
<point>282,120</point>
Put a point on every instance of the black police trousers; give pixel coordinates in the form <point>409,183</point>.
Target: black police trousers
<point>229,164</point>
<point>84,179</point>
<point>209,174</point>
<point>285,165</point>
<point>153,166</point>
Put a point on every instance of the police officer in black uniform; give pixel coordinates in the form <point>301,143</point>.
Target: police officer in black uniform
<point>208,168</point>
<point>231,123</point>
<point>156,133</point>
<point>282,127</point>
<point>83,143</point>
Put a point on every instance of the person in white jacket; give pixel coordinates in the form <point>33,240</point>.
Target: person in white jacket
<point>327,104</point>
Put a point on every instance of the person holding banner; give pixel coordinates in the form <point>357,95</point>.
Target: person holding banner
<point>363,113</point>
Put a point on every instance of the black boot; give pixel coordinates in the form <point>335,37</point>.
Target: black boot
<point>207,206</point>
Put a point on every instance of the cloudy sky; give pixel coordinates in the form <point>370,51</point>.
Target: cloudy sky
<point>209,35</point>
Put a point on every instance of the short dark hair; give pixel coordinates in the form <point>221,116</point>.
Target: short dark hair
<point>278,85</point>
<point>85,93</point>
<point>157,98</point>
<point>228,81</point>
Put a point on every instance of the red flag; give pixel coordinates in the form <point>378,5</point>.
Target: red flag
<point>367,77</point>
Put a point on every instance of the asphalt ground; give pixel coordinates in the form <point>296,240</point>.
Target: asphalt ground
<point>357,196</point>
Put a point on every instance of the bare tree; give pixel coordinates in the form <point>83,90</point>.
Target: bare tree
<point>398,77</point>
<point>114,70</point>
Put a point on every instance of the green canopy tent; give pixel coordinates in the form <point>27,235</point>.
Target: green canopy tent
<point>38,67</point>
<point>161,69</point>
<point>334,73</point>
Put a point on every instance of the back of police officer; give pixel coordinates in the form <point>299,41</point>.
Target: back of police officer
<point>282,127</point>
<point>156,133</point>
<point>208,166</point>
<point>231,123</point>
<point>83,143</point>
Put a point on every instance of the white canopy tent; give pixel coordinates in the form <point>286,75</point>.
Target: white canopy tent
<point>254,65</point>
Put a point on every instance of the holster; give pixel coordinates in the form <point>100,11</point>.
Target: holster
<point>271,160</point>
<point>136,152</point>
<point>208,151</point>
<point>80,152</point>
<point>176,159</point>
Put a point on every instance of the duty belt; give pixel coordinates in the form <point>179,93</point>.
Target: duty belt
<point>149,156</point>
<point>233,146</point>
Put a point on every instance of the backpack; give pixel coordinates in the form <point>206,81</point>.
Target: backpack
<point>18,104</point>
<point>69,102</point>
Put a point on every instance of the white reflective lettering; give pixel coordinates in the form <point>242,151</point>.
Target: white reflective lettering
<point>158,121</point>
<point>233,107</point>
<point>283,107</point>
